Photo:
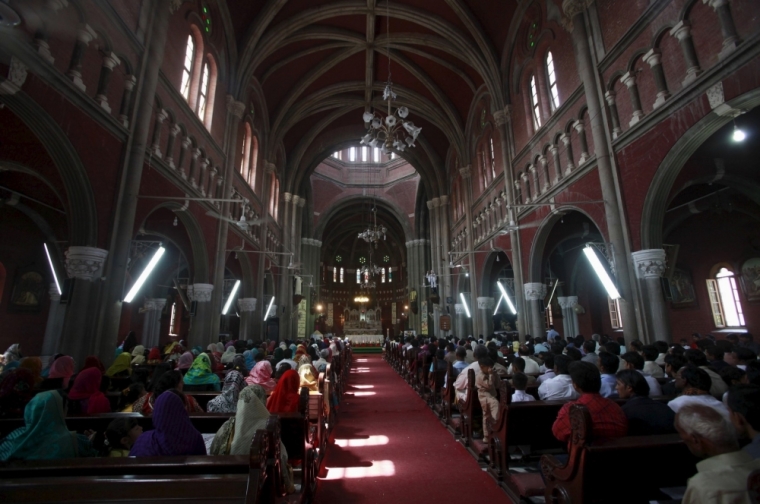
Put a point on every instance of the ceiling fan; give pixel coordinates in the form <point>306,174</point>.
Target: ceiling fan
<point>516,227</point>
<point>242,223</point>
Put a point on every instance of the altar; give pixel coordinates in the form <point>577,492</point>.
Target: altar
<point>363,327</point>
<point>365,339</point>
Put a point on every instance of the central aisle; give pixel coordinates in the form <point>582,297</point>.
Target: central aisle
<point>390,447</point>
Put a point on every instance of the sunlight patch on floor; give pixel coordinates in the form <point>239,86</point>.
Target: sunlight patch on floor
<point>362,386</point>
<point>358,443</point>
<point>359,394</point>
<point>379,468</point>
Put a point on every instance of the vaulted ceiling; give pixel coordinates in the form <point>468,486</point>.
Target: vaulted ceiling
<point>318,64</point>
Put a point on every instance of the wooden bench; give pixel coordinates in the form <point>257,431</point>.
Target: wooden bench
<point>435,384</point>
<point>594,466</point>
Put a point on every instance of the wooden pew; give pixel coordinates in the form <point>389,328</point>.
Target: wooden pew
<point>444,407</point>
<point>423,370</point>
<point>295,438</point>
<point>435,385</point>
<point>594,466</point>
<point>462,425</point>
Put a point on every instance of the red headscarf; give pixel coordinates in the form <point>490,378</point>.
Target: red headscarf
<point>94,362</point>
<point>285,397</point>
<point>155,354</point>
<point>87,387</point>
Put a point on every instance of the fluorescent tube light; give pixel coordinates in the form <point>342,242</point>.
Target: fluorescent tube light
<point>609,285</point>
<point>232,296</point>
<point>464,303</point>
<point>506,296</point>
<point>271,301</point>
<point>495,310</point>
<point>144,275</point>
<point>50,262</point>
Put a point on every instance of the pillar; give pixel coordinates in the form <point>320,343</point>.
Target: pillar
<point>173,132</point>
<point>485,312</point>
<point>109,62</point>
<point>85,35</point>
<point>609,97</point>
<point>536,182</point>
<point>155,148</point>
<point>200,329</point>
<point>126,100</point>
<point>569,316</point>
<point>629,79</point>
<point>247,307</point>
<point>201,184</point>
<point>84,265</point>
<point>52,341</point>
<point>650,265</point>
<point>682,32</point>
<point>580,128</point>
<point>727,27</point>
<point>152,310</point>
<point>444,273</point>
<point>534,296</point>
<point>545,170</point>
<point>186,143</point>
<point>567,142</point>
<point>653,58</point>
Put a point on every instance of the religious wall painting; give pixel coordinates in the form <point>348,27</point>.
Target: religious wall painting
<point>28,290</point>
<point>682,289</point>
<point>750,276</point>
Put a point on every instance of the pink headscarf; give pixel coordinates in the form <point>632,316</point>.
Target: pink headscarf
<point>87,387</point>
<point>262,375</point>
<point>185,361</point>
<point>63,367</point>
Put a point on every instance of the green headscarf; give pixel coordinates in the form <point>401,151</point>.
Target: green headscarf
<point>44,435</point>
<point>122,363</point>
<point>279,354</point>
<point>200,372</point>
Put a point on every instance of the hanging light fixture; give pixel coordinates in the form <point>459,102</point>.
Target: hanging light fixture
<point>389,130</point>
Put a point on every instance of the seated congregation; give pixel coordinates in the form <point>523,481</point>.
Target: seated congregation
<point>567,420</point>
<point>255,417</point>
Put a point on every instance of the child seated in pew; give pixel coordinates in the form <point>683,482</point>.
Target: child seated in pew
<point>520,383</point>
<point>121,434</point>
<point>518,366</point>
<point>485,383</point>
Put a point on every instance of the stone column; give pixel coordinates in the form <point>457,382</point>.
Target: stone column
<point>152,310</point>
<point>85,35</point>
<point>85,266</point>
<point>650,265</point>
<point>569,317</point>
<point>247,307</point>
<point>727,26</point>
<point>682,31</point>
<point>126,100</point>
<point>173,132</point>
<point>56,315</point>
<point>629,79</point>
<point>286,286</point>
<point>567,142</point>
<point>485,312</point>
<point>299,229</point>
<point>186,143</point>
<point>43,48</point>
<point>201,184</point>
<point>654,59</point>
<point>466,174</point>
<point>444,273</point>
<point>200,330</point>
<point>211,192</point>
<point>607,176</point>
<point>155,148</point>
<point>109,62</point>
<point>580,128</point>
<point>534,296</point>
<point>545,170</point>
<point>536,183</point>
<point>609,97</point>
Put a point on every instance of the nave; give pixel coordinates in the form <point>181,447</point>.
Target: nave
<point>390,447</point>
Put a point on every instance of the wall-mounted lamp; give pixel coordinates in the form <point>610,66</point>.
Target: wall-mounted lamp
<point>604,277</point>
<point>464,303</point>
<point>144,275</point>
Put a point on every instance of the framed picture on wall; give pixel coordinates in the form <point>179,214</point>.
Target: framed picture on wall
<point>751,278</point>
<point>682,289</point>
<point>28,290</point>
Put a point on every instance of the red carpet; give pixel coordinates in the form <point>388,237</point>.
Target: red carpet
<point>390,447</point>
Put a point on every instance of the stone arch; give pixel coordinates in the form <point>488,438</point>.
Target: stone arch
<point>351,200</point>
<point>656,201</point>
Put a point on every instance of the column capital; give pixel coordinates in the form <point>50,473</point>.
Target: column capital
<point>650,263</point>
<point>567,302</point>
<point>85,263</point>
<point>653,57</point>
<point>154,304</point>
<point>235,108</point>
<point>681,30</point>
<point>629,79</point>
<point>200,292</point>
<point>572,8</point>
<point>502,116</point>
<point>270,167</point>
<point>287,197</point>
<point>534,291</point>
<point>715,4</point>
<point>301,202</point>
<point>86,34</point>
<point>162,115</point>
<point>110,60</point>
<point>609,97</point>
<point>579,126</point>
<point>486,303</point>
<point>443,199</point>
<point>129,82</point>
<point>247,304</point>
<point>465,171</point>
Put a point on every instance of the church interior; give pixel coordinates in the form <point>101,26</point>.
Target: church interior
<point>187,173</point>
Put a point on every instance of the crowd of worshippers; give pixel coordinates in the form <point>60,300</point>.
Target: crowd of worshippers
<point>713,386</point>
<point>254,380</point>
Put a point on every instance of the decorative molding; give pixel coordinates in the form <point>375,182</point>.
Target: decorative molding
<point>650,263</point>
<point>465,171</point>
<point>247,304</point>
<point>154,304</point>
<point>567,302</point>
<point>17,73</point>
<point>235,108</point>
<point>85,263</point>
<point>534,291</point>
<point>200,292</point>
<point>270,167</point>
<point>486,303</point>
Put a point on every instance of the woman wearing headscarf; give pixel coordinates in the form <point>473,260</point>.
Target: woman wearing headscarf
<point>169,349</point>
<point>46,371</point>
<point>197,350</point>
<point>185,361</point>
<point>228,355</point>
<point>309,378</point>
<point>13,353</point>
<point>167,381</point>
<point>226,402</point>
<point>200,376</point>
<point>44,435</point>
<point>235,435</point>
<point>285,397</point>
<point>63,367</point>
<point>219,348</point>
<point>173,433</point>
<point>34,366</point>
<point>128,344</point>
<point>301,357</point>
<point>262,375</point>
<point>16,390</point>
<point>239,365</point>
<point>138,355</point>
<point>248,355</point>
<point>154,357</point>
<point>86,390</point>
<point>279,354</point>
<point>92,361</point>
<point>121,367</point>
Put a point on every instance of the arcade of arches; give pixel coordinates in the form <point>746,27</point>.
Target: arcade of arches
<point>227,133</point>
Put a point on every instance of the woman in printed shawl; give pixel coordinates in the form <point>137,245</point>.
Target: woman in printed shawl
<point>200,376</point>
<point>239,365</point>
<point>226,402</point>
<point>262,375</point>
<point>122,366</point>
<point>235,435</point>
<point>309,377</point>
<point>16,390</point>
<point>13,353</point>
<point>34,366</point>
<point>285,397</point>
<point>44,435</point>
<point>301,357</point>
<point>63,367</point>
<point>138,355</point>
<point>173,433</point>
<point>86,390</point>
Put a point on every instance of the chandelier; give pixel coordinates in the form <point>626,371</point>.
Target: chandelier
<point>361,299</point>
<point>374,232</point>
<point>392,131</point>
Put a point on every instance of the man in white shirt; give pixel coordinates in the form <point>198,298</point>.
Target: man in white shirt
<point>549,369</point>
<point>722,476</point>
<point>590,348</point>
<point>561,386</point>
<point>695,386</point>
<point>531,366</point>
<point>520,382</point>
<point>460,384</point>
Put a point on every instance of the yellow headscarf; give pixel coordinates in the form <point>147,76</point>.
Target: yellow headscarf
<point>122,363</point>
<point>308,379</point>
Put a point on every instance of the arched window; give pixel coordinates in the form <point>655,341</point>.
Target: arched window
<point>358,276</point>
<point>203,93</point>
<point>376,154</point>
<point>254,162</point>
<point>187,70</point>
<point>724,299</point>
<point>365,154</point>
<point>382,277</point>
<point>352,154</point>
<point>390,275</point>
<point>245,155</point>
<point>493,159</point>
<point>335,274</point>
<point>552,79</point>
<point>341,275</point>
<point>534,103</point>
<point>277,199</point>
<point>483,169</point>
